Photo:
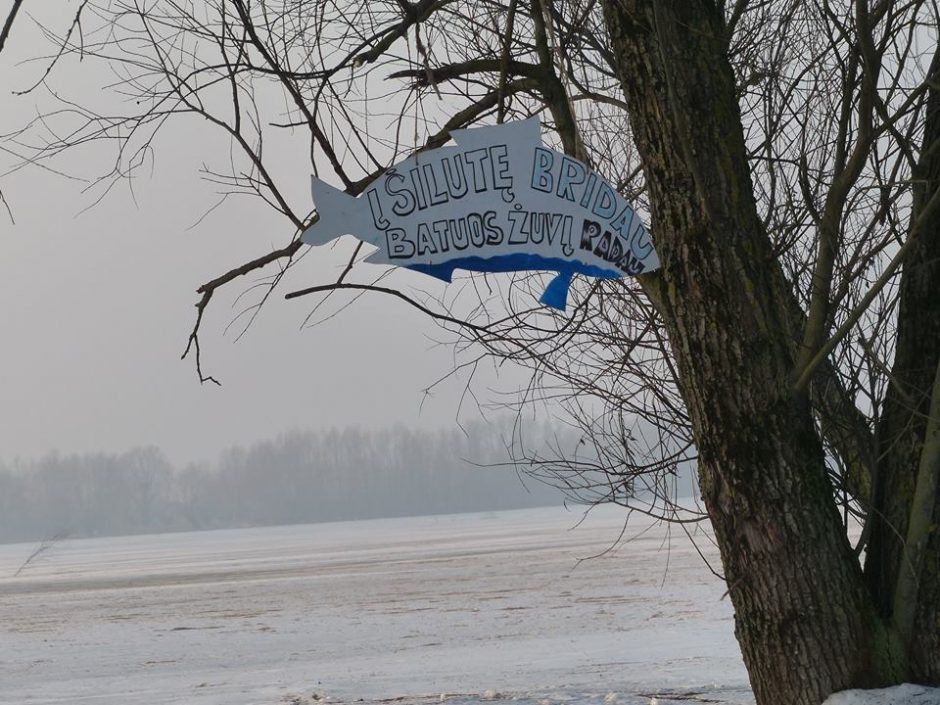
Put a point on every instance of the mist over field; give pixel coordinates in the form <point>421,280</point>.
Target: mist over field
<point>295,478</point>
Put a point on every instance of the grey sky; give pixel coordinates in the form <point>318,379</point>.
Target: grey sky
<point>97,308</point>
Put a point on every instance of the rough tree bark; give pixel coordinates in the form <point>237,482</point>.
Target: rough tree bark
<point>807,623</point>
<point>907,407</point>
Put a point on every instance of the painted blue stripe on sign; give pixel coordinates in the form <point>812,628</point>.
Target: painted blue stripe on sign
<point>556,294</point>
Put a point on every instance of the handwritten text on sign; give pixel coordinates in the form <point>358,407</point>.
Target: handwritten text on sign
<point>496,202</point>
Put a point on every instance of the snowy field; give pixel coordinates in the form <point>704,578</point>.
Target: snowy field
<point>464,608</point>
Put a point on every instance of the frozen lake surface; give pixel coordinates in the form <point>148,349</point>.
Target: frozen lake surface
<point>496,606</point>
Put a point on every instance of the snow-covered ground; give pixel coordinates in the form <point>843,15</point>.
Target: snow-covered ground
<point>906,694</point>
<point>479,606</point>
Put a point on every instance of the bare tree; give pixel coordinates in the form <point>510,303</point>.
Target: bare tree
<point>44,546</point>
<point>788,156</point>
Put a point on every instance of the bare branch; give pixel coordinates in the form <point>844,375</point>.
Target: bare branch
<point>8,24</point>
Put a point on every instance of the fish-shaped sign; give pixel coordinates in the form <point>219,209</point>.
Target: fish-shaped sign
<point>498,201</point>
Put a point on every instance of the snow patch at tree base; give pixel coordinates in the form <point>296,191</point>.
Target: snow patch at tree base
<point>906,694</point>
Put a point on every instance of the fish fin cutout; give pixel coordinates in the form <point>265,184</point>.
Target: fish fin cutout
<point>443,271</point>
<point>338,214</point>
<point>520,133</point>
<point>556,293</point>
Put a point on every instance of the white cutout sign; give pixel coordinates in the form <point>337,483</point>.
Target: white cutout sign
<point>498,201</point>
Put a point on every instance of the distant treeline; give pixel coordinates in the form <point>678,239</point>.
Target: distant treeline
<point>303,476</point>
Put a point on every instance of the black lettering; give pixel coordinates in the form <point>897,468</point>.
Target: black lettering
<point>458,233</point>
<point>605,204</point>
<point>590,231</point>
<point>437,196</point>
<point>399,245</point>
<point>425,241</point>
<point>476,230</point>
<point>630,264</point>
<point>555,226</point>
<point>518,235</point>
<point>476,158</point>
<point>419,186</point>
<point>603,247</point>
<point>441,230</point>
<point>494,233</point>
<point>455,177</point>
<point>616,250</point>
<point>404,199</point>
<point>375,205</point>
<point>499,163</point>
<point>537,223</point>
<point>572,174</point>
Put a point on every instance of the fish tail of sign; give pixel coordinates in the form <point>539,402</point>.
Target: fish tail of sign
<point>556,293</point>
<point>337,214</point>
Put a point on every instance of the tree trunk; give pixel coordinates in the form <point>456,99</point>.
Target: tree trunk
<point>805,621</point>
<point>907,405</point>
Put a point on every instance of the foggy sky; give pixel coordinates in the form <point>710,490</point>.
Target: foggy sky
<point>97,309</point>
